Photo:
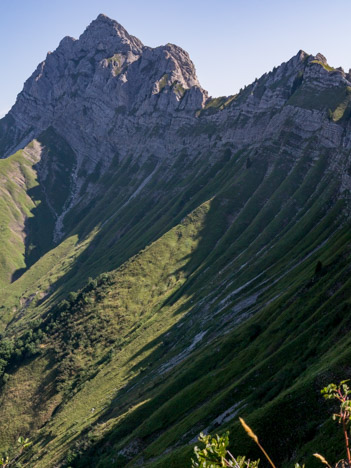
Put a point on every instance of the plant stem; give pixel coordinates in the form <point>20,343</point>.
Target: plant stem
<point>234,460</point>
<point>346,442</point>
<point>266,454</point>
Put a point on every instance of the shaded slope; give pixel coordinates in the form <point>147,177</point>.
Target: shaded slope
<point>145,344</point>
<point>35,187</point>
<point>148,376</point>
<point>200,225</point>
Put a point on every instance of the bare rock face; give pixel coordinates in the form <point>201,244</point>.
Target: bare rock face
<point>107,93</point>
<point>89,82</point>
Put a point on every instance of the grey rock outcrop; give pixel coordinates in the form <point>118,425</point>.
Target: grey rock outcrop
<point>107,93</point>
<point>92,81</point>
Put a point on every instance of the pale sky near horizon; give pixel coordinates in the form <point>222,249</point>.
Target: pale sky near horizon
<point>231,42</point>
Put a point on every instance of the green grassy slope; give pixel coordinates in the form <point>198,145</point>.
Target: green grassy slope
<point>176,306</point>
<point>149,355</point>
<point>17,179</point>
<point>124,378</point>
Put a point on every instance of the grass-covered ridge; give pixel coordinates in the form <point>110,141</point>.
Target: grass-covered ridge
<point>324,65</point>
<point>143,358</point>
<point>185,288</point>
<point>214,105</point>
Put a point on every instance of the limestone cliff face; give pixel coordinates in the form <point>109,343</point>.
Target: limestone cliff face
<point>106,94</point>
<point>106,86</point>
<point>86,87</point>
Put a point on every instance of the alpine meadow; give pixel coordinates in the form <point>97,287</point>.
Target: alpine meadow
<point>170,262</point>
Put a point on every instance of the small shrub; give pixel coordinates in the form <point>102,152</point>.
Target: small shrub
<point>215,454</point>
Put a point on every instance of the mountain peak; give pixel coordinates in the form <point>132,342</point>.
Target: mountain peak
<point>108,32</point>
<point>302,54</point>
<point>105,21</point>
<point>321,58</point>
<point>103,17</point>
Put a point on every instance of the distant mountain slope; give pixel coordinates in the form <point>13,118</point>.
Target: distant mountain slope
<point>159,256</point>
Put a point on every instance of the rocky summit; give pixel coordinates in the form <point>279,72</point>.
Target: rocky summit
<point>171,261</point>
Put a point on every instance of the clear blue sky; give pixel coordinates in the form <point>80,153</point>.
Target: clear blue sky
<point>231,42</point>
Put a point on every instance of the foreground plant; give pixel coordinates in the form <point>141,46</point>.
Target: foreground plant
<point>215,454</point>
<point>7,461</point>
<point>254,437</point>
<point>340,392</point>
